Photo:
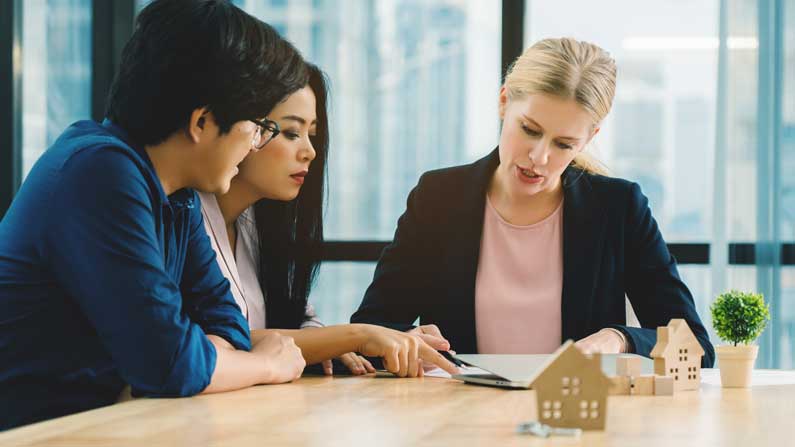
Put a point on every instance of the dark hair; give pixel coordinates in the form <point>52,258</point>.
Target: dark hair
<point>188,54</point>
<point>291,233</point>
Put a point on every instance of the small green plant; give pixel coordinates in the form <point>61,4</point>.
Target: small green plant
<point>739,317</point>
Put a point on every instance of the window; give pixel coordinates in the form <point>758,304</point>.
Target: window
<point>56,37</point>
<point>414,87</point>
<point>339,290</point>
<point>689,125</point>
<point>547,410</point>
<point>784,314</point>
<point>594,405</point>
<point>661,130</point>
<point>552,409</point>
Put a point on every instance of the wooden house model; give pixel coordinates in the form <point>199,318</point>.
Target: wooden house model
<point>678,354</point>
<point>571,390</point>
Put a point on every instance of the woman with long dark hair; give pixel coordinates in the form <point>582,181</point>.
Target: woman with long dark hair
<point>267,232</point>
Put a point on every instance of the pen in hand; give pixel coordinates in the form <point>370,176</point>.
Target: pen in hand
<point>453,359</point>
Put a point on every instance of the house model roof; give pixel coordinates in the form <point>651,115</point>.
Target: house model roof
<point>571,356</point>
<point>674,336</point>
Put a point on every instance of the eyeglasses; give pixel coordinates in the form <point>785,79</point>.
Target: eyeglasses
<point>266,131</point>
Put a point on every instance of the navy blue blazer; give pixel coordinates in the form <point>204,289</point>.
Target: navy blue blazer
<point>611,248</point>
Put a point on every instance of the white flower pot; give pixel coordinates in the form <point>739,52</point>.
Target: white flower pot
<point>736,365</point>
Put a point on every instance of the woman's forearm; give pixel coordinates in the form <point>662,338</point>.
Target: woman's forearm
<point>321,343</point>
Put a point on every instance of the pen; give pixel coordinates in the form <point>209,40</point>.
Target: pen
<point>453,359</point>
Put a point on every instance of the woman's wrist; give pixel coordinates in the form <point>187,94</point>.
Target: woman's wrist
<point>623,344</point>
<point>360,334</point>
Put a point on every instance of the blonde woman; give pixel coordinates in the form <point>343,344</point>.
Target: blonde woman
<point>534,244</point>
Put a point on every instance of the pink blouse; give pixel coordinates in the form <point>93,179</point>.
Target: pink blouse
<point>519,285</point>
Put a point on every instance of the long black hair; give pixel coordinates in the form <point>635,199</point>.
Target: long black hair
<point>291,233</point>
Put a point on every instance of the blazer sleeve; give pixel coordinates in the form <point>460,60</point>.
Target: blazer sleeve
<point>653,285</point>
<point>403,273</point>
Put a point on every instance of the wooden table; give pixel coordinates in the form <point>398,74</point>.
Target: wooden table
<point>351,411</point>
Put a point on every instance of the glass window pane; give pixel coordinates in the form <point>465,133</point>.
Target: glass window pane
<point>414,87</point>
<point>786,311</point>
<point>786,314</point>
<point>56,91</point>
<point>661,130</point>
<point>339,290</point>
<point>787,150</point>
<point>742,121</point>
<point>699,280</point>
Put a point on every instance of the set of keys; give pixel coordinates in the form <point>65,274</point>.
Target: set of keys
<point>536,428</point>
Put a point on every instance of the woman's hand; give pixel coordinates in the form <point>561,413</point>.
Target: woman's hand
<point>357,364</point>
<point>606,341</point>
<point>404,354</point>
<point>431,334</point>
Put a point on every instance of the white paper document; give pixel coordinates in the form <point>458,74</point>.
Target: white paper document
<point>439,372</point>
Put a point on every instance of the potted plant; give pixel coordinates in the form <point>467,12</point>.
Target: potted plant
<point>738,318</point>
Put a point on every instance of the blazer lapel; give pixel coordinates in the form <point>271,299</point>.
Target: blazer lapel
<point>465,250</point>
<point>583,231</point>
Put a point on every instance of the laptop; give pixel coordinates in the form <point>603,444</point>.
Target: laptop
<point>516,371</point>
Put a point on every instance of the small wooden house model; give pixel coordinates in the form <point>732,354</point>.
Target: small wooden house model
<point>630,381</point>
<point>571,390</point>
<point>678,354</point>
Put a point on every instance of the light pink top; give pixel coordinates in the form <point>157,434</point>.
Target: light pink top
<point>240,266</point>
<point>519,285</point>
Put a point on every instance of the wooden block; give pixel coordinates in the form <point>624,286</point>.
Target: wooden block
<point>663,386</point>
<point>619,386</point>
<point>628,366</point>
<point>642,385</point>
